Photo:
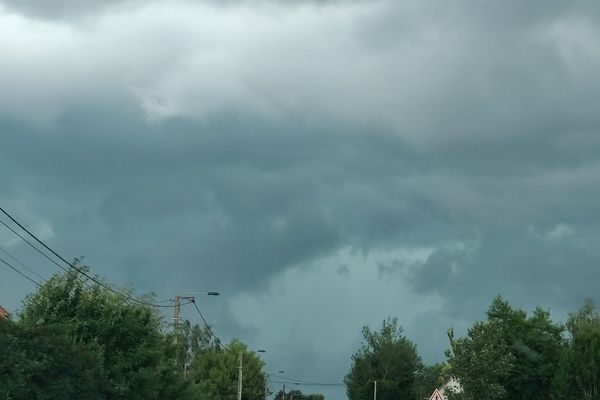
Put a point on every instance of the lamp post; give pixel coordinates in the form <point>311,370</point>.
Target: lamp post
<point>186,296</point>
<point>241,373</point>
<point>176,316</point>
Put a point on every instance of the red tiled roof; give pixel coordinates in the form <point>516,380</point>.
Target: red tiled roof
<point>4,313</point>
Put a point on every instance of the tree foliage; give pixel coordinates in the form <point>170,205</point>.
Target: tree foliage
<point>508,356</point>
<point>42,363</point>
<point>296,394</point>
<point>124,338</point>
<point>387,357</point>
<point>190,342</point>
<point>580,366</point>
<point>428,379</point>
<point>214,374</point>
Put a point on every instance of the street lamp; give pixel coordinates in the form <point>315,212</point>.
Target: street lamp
<point>240,374</point>
<point>203,294</point>
<point>186,296</point>
<point>176,319</point>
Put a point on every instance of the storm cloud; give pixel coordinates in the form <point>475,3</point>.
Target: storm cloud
<point>323,164</point>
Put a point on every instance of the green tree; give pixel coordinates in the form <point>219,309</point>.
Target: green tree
<point>293,394</point>
<point>125,338</point>
<point>580,365</point>
<point>482,362</point>
<point>387,357</point>
<point>192,341</point>
<point>214,374</point>
<point>508,356</point>
<point>428,379</point>
<point>43,363</point>
<point>296,394</point>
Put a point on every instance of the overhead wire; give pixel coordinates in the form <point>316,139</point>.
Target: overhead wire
<point>296,380</point>
<point>71,265</point>
<point>301,383</point>
<point>271,383</point>
<point>21,263</point>
<point>46,256</point>
<point>9,265</point>
<point>34,246</point>
<point>217,339</point>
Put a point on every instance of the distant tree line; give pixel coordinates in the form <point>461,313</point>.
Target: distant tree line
<point>296,394</point>
<point>74,339</point>
<point>508,356</point>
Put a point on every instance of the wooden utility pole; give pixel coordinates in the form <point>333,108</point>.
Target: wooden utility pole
<point>176,317</point>
<point>240,377</point>
<point>266,386</point>
<point>177,327</point>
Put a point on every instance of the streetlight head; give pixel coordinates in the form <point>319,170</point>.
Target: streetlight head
<point>213,293</point>
<point>261,351</point>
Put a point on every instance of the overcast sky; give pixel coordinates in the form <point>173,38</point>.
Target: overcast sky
<point>322,164</point>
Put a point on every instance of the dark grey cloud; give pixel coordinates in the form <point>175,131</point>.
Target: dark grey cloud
<point>67,11</point>
<point>236,199</point>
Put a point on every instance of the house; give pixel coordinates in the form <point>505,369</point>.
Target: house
<point>3,313</point>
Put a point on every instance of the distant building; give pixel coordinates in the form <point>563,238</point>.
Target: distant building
<point>3,313</point>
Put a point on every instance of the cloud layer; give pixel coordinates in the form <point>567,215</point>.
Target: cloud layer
<point>323,164</point>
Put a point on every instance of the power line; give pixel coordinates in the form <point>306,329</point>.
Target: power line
<point>34,246</point>
<point>46,256</point>
<point>9,265</point>
<point>309,383</point>
<point>305,381</point>
<point>218,341</point>
<point>271,383</point>
<point>21,263</point>
<point>72,266</point>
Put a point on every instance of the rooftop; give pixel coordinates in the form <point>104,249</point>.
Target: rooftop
<point>4,313</point>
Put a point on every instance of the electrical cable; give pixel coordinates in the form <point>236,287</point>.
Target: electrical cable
<point>72,266</point>
<point>218,341</point>
<point>309,383</point>
<point>46,256</point>
<point>34,247</point>
<point>22,264</point>
<point>304,381</point>
<point>271,383</point>
<point>9,265</point>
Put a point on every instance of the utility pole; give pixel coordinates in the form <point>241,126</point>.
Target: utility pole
<point>375,391</point>
<point>191,297</point>
<point>176,319</point>
<point>239,393</point>
<point>176,316</point>
<point>266,386</point>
